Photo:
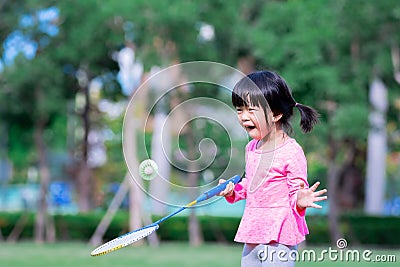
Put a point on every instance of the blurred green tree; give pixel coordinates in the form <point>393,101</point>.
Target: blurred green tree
<point>31,100</point>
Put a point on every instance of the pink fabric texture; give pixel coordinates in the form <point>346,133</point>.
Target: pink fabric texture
<point>270,189</point>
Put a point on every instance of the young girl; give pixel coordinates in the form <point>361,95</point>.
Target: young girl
<point>275,186</point>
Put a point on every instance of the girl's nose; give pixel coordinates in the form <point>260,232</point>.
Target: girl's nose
<point>244,116</point>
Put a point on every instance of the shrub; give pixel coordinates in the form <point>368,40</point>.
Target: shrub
<point>356,228</point>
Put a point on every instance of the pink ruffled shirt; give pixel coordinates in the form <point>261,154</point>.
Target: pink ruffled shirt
<point>270,189</point>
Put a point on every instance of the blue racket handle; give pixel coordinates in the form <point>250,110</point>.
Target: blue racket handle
<point>214,191</point>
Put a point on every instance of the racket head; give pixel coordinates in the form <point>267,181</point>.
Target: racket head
<point>124,240</point>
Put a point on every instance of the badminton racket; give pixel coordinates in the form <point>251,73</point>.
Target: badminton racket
<point>131,237</point>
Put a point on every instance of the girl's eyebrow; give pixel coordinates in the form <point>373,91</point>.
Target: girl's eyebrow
<point>254,107</point>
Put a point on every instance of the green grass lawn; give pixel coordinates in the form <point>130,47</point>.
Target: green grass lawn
<point>167,254</point>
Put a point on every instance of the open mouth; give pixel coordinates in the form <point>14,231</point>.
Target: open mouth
<point>250,128</point>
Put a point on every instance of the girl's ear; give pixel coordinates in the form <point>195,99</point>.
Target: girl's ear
<point>277,117</point>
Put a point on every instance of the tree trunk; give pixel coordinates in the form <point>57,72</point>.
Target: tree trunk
<point>333,181</point>
<point>135,208</point>
<point>18,228</point>
<point>84,187</point>
<point>101,229</point>
<point>160,153</point>
<point>377,149</point>
<point>136,195</point>
<point>395,53</point>
<point>42,220</point>
<point>84,172</point>
<point>195,233</point>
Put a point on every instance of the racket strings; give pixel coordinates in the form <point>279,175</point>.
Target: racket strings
<point>124,240</point>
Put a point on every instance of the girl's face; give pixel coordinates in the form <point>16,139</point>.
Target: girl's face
<point>253,120</point>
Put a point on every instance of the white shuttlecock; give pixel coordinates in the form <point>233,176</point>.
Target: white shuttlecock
<point>148,169</point>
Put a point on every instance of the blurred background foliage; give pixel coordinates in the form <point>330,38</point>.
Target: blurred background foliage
<point>328,51</point>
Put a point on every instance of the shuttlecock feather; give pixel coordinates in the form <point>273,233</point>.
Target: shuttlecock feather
<point>148,169</point>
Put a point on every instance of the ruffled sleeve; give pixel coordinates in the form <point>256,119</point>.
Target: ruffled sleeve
<point>239,192</point>
<point>297,173</point>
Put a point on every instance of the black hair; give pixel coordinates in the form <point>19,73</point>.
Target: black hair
<point>267,89</point>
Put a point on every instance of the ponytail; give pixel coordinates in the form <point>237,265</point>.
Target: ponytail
<point>309,117</point>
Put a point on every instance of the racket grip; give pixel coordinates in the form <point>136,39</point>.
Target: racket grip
<point>214,191</point>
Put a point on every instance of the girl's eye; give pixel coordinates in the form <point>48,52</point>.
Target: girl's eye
<point>238,110</point>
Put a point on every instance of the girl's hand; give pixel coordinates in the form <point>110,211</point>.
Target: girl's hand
<point>228,191</point>
<point>307,197</point>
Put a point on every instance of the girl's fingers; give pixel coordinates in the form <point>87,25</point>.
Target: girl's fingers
<point>316,206</point>
<point>228,186</point>
<point>320,192</point>
<point>317,199</point>
<point>314,187</point>
<point>228,189</point>
<point>231,186</point>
